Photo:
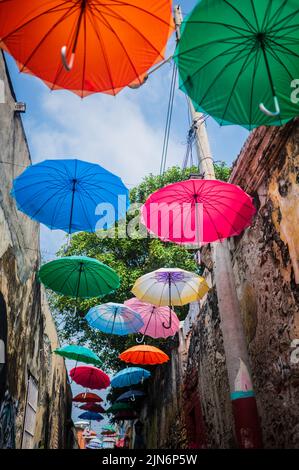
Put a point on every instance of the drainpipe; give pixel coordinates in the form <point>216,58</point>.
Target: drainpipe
<point>246,420</point>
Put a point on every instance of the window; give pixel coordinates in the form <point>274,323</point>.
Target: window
<point>30,413</point>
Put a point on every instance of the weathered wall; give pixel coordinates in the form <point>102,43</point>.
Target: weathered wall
<point>31,334</point>
<point>266,267</point>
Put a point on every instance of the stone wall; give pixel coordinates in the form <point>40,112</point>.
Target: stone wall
<point>266,267</point>
<point>31,335</point>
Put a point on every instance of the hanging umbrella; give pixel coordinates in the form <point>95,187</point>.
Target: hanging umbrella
<point>170,286</point>
<point>144,354</point>
<point>91,416</point>
<point>119,407</point>
<point>129,376</point>
<point>130,395</point>
<point>237,60</point>
<point>125,416</point>
<point>87,397</point>
<point>94,444</point>
<point>114,318</point>
<point>108,430</point>
<point>67,194</point>
<point>92,407</point>
<point>154,319</point>
<point>79,354</point>
<point>79,277</point>
<point>203,211</point>
<point>86,46</point>
<point>90,377</point>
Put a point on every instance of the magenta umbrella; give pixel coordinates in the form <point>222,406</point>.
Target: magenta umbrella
<point>90,377</point>
<point>197,212</point>
<point>154,319</point>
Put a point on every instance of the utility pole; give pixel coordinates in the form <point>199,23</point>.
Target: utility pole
<point>246,420</point>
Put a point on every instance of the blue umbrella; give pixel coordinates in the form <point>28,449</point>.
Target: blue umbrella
<point>71,195</point>
<point>91,416</point>
<point>114,318</point>
<point>130,395</point>
<point>129,376</point>
<point>94,444</point>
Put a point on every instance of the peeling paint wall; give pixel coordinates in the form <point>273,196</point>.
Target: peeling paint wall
<point>265,263</point>
<point>31,333</point>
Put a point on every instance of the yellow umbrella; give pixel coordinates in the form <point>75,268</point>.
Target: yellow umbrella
<point>170,286</point>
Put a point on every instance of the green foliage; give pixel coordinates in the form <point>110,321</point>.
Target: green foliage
<point>130,258</point>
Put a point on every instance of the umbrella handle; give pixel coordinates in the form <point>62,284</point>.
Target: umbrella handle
<point>67,65</point>
<point>133,398</point>
<point>267,111</point>
<point>139,341</point>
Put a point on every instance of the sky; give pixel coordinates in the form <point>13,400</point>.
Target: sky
<point>124,134</point>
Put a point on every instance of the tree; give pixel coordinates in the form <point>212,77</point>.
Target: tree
<point>130,258</point>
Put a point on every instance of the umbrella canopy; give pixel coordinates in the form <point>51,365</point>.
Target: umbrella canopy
<point>108,430</point>
<point>68,194</point>
<point>94,444</point>
<point>90,377</point>
<point>125,415</point>
<point>119,407</point>
<point>170,286</point>
<point>203,211</point>
<point>79,277</point>
<point>120,443</point>
<point>129,376</point>
<point>114,318</point>
<point>130,395</point>
<point>79,354</point>
<point>237,60</point>
<point>92,407</point>
<point>91,416</point>
<point>86,46</point>
<point>87,397</point>
<point>144,354</point>
<point>154,319</point>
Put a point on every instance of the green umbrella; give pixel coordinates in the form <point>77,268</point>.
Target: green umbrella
<point>119,407</point>
<point>79,277</point>
<point>238,60</point>
<point>79,354</point>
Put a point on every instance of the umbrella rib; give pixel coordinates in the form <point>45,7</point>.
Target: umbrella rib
<point>122,46</point>
<point>103,51</point>
<point>282,20</point>
<point>84,47</point>
<point>133,27</point>
<point>228,51</point>
<point>244,66</point>
<point>64,16</point>
<point>240,15</point>
<point>275,56</point>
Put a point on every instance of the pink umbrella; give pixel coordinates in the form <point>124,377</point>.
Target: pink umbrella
<point>154,319</point>
<point>90,377</point>
<point>197,211</point>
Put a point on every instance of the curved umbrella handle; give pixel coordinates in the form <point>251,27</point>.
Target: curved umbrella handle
<point>267,111</point>
<point>67,65</point>
<point>133,398</point>
<point>139,341</point>
<point>167,327</point>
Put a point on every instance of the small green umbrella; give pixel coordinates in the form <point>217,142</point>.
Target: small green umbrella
<point>119,407</point>
<point>79,277</point>
<point>79,354</point>
<point>238,60</point>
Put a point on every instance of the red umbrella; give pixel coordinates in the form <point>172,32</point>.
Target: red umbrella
<point>87,397</point>
<point>92,407</point>
<point>198,211</point>
<point>90,377</point>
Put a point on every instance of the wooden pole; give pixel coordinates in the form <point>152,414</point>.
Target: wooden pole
<point>246,420</point>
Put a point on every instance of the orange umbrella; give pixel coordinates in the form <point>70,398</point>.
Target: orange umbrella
<point>144,354</point>
<point>86,46</point>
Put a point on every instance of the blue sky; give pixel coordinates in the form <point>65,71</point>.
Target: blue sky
<point>123,133</point>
